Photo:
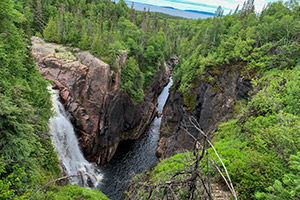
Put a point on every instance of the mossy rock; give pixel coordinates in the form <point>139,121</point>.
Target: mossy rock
<point>190,101</point>
<point>52,49</point>
<point>66,55</point>
<point>215,88</point>
<point>217,71</point>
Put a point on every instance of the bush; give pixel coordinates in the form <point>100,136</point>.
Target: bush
<point>70,192</point>
<point>289,187</point>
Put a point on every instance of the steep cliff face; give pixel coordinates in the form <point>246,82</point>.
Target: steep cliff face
<point>101,113</point>
<point>210,102</point>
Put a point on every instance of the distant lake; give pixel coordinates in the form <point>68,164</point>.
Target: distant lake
<point>190,14</point>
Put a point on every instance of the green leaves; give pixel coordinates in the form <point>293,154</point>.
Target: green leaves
<point>70,192</point>
<point>279,93</point>
<point>25,109</point>
<point>289,188</point>
<point>8,14</point>
<point>256,149</point>
<point>11,177</point>
<point>51,32</point>
<point>132,80</point>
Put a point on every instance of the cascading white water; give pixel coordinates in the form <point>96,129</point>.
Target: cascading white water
<point>67,148</point>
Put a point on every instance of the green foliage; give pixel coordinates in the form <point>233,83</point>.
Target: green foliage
<point>132,80</point>
<point>170,166</point>
<point>162,173</point>
<point>85,42</point>
<point>279,93</point>
<point>257,148</point>
<point>70,192</point>
<point>11,181</point>
<point>289,188</point>
<point>97,47</point>
<point>268,41</point>
<point>25,108</point>
<point>50,32</point>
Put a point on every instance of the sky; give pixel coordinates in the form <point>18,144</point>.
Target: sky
<point>204,5</point>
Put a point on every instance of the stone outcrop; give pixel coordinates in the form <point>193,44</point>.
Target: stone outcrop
<point>214,102</point>
<point>102,114</point>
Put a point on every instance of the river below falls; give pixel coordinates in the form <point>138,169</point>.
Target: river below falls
<point>133,157</point>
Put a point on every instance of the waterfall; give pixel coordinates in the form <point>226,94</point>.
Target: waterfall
<point>67,148</point>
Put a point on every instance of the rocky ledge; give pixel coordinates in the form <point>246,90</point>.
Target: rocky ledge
<point>102,114</point>
<point>209,103</point>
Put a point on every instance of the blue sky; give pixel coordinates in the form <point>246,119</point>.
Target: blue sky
<point>203,5</point>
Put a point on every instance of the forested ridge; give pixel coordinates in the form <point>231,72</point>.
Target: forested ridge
<point>28,160</point>
<point>107,29</point>
<point>259,145</point>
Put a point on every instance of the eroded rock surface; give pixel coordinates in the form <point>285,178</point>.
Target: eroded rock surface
<point>101,113</point>
<point>214,102</point>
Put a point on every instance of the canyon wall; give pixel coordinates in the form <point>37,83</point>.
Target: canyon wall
<point>101,113</point>
<point>210,102</point>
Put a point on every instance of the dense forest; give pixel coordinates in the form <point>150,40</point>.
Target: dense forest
<point>259,145</point>
<point>106,29</point>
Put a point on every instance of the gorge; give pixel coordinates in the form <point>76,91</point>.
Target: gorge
<point>85,86</point>
<point>101,113</point>
<point>229,127</point>
<point>133,157</point>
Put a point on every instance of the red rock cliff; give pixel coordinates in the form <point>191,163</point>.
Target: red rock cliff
<point>101,113</point>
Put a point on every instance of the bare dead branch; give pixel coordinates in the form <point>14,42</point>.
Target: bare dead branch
<point>227,174</point>
<point>190,179</point>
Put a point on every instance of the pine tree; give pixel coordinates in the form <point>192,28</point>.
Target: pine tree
<point>132,13</point>
<point>85,41</point>
<point>97,46</point>
<point>289,188</point>
<point>51,32</point>
<point>132,80</point>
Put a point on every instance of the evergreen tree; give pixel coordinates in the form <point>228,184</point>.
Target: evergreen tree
<point>27,157</point>
<point>85,42</point>
<point>132,80</point>
<point>51,31</point>
<point>289,188</point>
<point>97,46</point>
<point>122,9</point>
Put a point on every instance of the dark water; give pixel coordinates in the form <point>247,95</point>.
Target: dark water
<point>133,157</point>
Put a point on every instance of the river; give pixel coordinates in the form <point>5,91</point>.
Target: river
<point>133,157</point>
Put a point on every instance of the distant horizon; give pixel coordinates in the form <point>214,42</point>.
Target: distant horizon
<point>190,14</point>
<point>170,7</point>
